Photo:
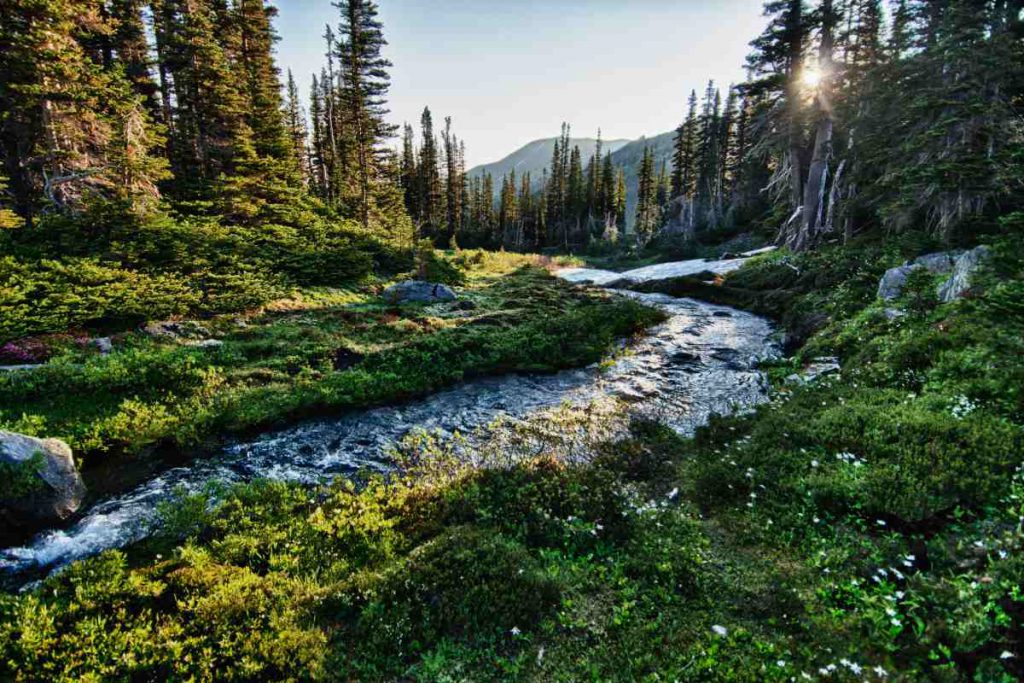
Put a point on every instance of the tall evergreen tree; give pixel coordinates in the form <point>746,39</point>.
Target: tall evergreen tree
<point>684,157</point>
<point>647,216</point>
<point>363,94</point>
<point>430,196</point>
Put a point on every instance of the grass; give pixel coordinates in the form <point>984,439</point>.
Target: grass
<point>866,526</point>
<point>318,351</point>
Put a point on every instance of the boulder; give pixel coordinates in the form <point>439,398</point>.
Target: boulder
<point>941,262</point>
<point>418,291</point>
<point>961,264</point>
<point>60,488</point>
<point>966,265</point>
<point>892,283</point>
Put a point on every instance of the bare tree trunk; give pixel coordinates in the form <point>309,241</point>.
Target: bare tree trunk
<point>793,104</point>
<point>817,174</point>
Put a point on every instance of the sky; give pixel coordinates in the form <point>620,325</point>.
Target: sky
<point>510,71</point>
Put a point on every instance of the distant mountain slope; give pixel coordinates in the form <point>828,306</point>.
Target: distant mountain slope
<point>629,156</point>
<point>534,157</point>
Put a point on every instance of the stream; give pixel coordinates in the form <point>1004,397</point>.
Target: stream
<point>702,361</point>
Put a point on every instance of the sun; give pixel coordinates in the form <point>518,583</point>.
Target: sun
<point>811,77</point>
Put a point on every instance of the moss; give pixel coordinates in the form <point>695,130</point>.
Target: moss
<point>18,480</point>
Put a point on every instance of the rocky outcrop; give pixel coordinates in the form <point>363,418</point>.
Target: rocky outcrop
<point>960,264</point>
<point>59,491</point>
<point>966,265</point>
<point>418,291</point>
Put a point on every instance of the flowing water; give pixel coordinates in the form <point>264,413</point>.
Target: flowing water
<point>702,360</point>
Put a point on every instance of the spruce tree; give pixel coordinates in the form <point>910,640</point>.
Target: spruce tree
<point>297,131</point>
<point>263,112</point>
<point>363,94</point>
<point>430,196</point>
<point>684,154</point>
<point>647,216</point>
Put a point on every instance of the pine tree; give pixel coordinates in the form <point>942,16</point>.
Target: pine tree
<point>576,196</point>
<point>647,218</point>
<point>454,181</point>
<point>363,94</point>
<point>297,130</point>
<point>73,127</point>
<point>684,158</point>
<point>131,48</point>
<point>777,64</point>
<point>410,171</point>
<point>211,135</point>
<point>262,81</point>
<point>429,195</point>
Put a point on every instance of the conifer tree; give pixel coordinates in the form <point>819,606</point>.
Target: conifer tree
<point>363,94</point>
<point>684,158</point>
<point>131,48</point>
<point>262,81</point>
<point>410,171</point>
<point>647,215</point>
<point>297,130</point>
<point>429,196</point>
<point>777,64</point>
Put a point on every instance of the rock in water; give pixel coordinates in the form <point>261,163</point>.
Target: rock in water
<point>966,265</point>
<point>61,488</point>
<point>418,291</point>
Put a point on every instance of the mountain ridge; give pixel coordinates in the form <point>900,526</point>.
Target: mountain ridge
<point>535,156</point>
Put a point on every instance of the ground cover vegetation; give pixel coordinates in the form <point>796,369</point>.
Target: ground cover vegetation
<point>865,525</point>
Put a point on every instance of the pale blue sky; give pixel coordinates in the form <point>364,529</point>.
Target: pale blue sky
<point>510,72</point>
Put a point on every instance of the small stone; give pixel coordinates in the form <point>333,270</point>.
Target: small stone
<point>104,345</point>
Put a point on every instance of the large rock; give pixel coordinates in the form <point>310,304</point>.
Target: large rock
<point>418,291</point>
<point>892,283</point>
<point>962,266</point>
<point>60,490</point>
<point>940,262</point>
<point>966,265</point>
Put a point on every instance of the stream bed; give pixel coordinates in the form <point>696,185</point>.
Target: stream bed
<point>703,360</point>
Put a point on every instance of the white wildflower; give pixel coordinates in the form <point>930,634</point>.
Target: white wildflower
<point>720,631</point>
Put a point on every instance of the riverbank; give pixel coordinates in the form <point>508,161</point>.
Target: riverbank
<point>864,525</point>
<point>317,353</point>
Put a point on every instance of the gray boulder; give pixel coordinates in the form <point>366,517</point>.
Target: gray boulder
<point>940,262</point>
<point>418,291</point>
<point>966,265</point>
<point>960,264</point>
<point>60,488</point>
<point>892,283</point>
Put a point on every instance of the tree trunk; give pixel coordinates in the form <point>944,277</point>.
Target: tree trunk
<point>817,173</point>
